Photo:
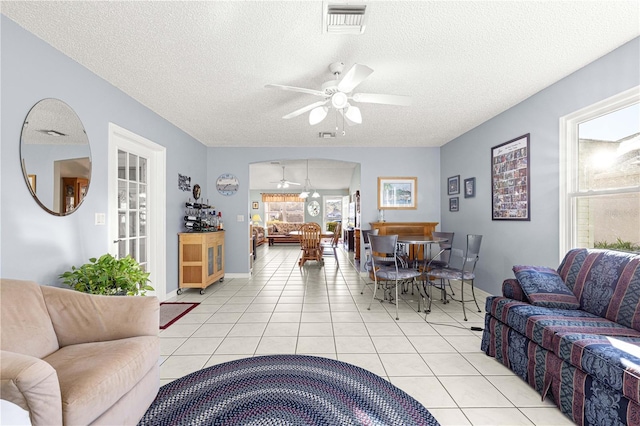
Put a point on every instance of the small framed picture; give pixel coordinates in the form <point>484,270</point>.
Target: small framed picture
<point>470,187</point>
<point>453,185</point>
<point>397,193</point>
<point>254,205</point>
<point>453,204</point>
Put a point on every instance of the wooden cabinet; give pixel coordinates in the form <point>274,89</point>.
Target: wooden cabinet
<point>404,228</point>
<point>347,237</point>
<point>201,259</point>
<point>415,252</point>
<point>74,190</point>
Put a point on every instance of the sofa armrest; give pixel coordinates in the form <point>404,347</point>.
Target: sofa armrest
<point>512,289</point>
<point>80,318</point>
<point>32,384</point>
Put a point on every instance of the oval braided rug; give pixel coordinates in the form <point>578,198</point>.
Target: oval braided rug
<point>284,390</point>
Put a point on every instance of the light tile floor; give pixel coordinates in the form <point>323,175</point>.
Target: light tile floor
<point>320,311</point>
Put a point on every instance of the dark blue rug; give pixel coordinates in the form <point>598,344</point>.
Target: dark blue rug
<point>284,390</point>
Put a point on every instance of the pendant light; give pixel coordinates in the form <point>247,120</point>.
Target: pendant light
<point>305,192</point>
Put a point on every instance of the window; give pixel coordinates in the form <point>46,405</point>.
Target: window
<point>332,211</point>
<point>284,211</point>
<point>600,175</point>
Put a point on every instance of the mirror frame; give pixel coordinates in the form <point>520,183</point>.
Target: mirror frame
<point>28,177</point>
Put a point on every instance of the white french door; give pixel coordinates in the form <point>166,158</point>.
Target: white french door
<point>136,203</point>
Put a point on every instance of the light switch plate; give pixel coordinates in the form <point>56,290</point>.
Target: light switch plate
<point>240,218</point>
<point>100,219</point>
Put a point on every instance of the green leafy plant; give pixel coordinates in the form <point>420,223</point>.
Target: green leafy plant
<point>109,276</point>
<point>618,245</point>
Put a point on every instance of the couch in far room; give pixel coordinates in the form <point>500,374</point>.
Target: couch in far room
<point>281,232</point>
<point>258,232</point>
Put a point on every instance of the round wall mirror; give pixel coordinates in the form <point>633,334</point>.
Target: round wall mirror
<point>55,156</point>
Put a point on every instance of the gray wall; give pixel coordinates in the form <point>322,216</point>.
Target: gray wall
<point>506,243</point>
<point>424,163</point>
<point>34,244</point>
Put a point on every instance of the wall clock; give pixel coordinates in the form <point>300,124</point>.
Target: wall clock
<point>227,184</point>
<point>313,208</point>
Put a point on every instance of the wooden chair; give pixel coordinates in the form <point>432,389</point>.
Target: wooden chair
<point>310,243</point>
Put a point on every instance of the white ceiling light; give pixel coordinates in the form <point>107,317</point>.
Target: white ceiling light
<point>307,182</point>
<point>344,18</point>
<point>317,115</point>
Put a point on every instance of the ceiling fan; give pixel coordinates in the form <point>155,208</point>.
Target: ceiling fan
<point>283,183</point>
<point>337,94</point>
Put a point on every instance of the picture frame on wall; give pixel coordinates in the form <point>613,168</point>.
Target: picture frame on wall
<point>254,205</point>
<point>454,204</point>
<point>470,187</point>
<point>399,193</point>
<point>511,179</point>
<point>453,185</point>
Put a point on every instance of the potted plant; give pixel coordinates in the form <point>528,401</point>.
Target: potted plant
<point>109,276</point>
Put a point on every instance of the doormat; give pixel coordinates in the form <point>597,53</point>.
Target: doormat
<point>171,312</point>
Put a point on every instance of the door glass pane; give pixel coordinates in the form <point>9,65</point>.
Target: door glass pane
<point>122,165</point>
<point>122,225</point>
<point>122,194</point>
<point>143,223</point>
<point>133,168</point>
<point>132,248</point>
<point>133,225</point>
<point>142,170</point>
<point>142,196</point>
<point>143,250</point>
<point>133,195</point>
<point>122,249</point>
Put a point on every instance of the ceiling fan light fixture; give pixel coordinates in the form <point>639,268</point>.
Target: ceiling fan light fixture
<point>353,114</point>
<point>339,100</point>
<point>317,115</point>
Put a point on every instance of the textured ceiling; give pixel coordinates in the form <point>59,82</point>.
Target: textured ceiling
<point>203,65</point>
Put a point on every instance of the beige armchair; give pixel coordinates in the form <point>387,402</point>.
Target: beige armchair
<point>75,359</point>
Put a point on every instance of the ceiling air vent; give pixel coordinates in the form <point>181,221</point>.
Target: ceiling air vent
<point>327,135</point>
<point>344,18</point>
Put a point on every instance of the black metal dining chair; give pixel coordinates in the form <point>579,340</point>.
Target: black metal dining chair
<point>385,268</point>
<point>461,267</point>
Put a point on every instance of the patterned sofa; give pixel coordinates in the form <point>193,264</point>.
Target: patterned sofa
<point>282,230</point>
<point>258,232</point>
<point>580,344</point>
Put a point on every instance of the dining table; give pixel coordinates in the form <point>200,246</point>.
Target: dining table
<point>421,244</point>
<point>422,241</point>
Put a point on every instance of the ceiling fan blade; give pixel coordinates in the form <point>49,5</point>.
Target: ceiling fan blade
<point>317,115</point>
<point>295,89</point>
<point>374,98</point>
<point>356,75</point>
<point>353,114</point>
<point>293,183</point>
<point>304,109</point>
